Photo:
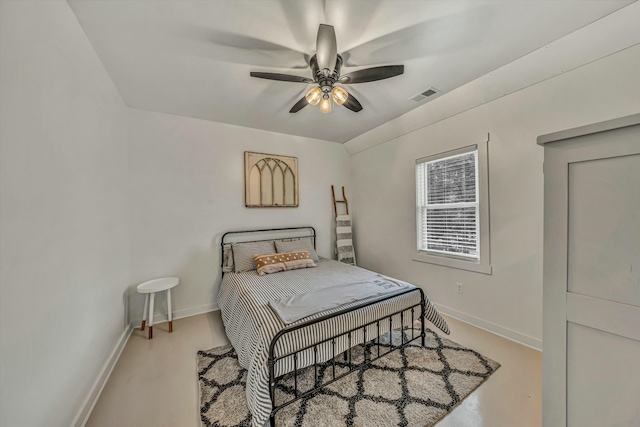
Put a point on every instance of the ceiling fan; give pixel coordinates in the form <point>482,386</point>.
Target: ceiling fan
<point>325,68</point>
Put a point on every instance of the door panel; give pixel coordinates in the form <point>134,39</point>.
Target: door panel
<point>602,385</point>
<point>604,231</point>
<point>591,320</point>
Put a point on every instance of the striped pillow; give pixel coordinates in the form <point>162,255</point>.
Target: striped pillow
<point>274,263</point>
<point>243,254</point>
<point>297,245</point>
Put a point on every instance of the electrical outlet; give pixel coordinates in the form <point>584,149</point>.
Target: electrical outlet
<point>460,290</point>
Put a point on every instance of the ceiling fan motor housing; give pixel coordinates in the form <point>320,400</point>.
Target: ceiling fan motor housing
<point>325,82</point>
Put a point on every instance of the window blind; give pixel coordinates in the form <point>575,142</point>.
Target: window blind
<point>447,205</point>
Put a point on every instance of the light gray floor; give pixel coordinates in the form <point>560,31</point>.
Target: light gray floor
<point>155,381</point>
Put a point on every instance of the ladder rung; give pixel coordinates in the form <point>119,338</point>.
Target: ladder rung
<point>345,201</point>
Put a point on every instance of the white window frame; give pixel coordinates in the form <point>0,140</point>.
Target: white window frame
<point>483,263</point>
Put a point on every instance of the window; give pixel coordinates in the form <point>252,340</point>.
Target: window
<point>452,212</point>
<point>448,205</point>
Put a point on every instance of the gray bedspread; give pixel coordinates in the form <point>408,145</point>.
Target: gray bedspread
<point>292,308</point>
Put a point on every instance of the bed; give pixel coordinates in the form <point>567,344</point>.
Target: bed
<point>273,351</point>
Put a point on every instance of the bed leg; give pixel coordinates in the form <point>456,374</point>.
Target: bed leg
<point>272,387</point>
<point>422,316</point>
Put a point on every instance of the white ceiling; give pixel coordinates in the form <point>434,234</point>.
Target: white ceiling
<point>193,58</point>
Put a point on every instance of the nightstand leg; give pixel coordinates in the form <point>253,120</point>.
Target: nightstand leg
<point>151,301</point>
<point>169,310</point>
<point>144,312</point>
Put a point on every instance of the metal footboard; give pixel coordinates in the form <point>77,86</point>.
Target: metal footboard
<point>361,329</point>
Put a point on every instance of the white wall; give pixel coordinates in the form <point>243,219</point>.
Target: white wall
<point>187,189</point>
<point>510,300</point>
<point>63,237</point>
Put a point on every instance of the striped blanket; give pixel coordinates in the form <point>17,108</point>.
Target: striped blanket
<point>251,324</point>
<point>344,240</point>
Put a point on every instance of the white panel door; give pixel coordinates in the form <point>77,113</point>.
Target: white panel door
<point>591,341</point>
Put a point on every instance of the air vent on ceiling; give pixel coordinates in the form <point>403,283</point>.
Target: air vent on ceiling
<point>426,94</point>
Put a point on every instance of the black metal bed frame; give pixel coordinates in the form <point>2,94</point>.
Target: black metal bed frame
<point>367,360</point>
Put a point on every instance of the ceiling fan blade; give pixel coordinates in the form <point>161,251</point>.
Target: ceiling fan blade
<point>281,77</point>
<point>352,104</point>
<point>204,41</point>
<point>326,48</point>
<point>299,105</point>
<point>372,74</point>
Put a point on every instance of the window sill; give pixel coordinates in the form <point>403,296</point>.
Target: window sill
<point>460,264</point>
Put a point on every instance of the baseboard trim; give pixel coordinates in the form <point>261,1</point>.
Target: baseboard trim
<point>90,401</point>
<point>179,314</point>
<point>494,328</point>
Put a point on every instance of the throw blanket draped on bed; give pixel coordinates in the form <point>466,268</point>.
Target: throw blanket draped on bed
<point>251,324</point>
<point>296,307</point>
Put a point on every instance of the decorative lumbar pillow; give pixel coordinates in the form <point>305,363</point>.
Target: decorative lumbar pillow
<point>243,254</point>
<point>297,245</point>
<point>274,263</point>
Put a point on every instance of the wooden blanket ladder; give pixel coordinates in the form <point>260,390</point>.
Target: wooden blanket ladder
<point>335,202</point>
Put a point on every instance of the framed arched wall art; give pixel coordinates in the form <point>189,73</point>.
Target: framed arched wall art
<point>270,180</point>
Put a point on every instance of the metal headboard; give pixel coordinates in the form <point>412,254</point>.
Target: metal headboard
<point>226,237</point>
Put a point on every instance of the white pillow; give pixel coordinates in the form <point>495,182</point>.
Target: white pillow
<point>243,254</point>
<point>297,245</point>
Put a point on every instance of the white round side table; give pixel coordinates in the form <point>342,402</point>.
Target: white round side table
<point>150,288</point>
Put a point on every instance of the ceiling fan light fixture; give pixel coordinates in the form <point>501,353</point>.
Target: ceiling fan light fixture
<point>314,96</point>
<point>339,95</point>
<point>326,67</point>
<point>326,105</point>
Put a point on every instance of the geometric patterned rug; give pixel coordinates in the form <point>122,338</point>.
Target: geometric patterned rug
<point>415,386</point>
